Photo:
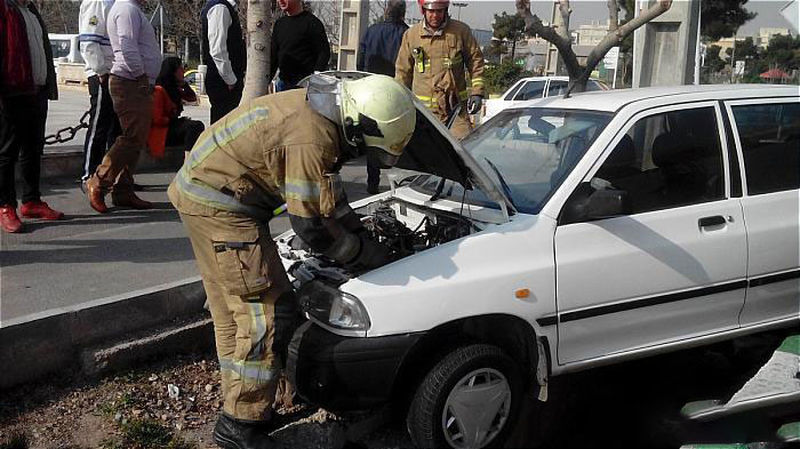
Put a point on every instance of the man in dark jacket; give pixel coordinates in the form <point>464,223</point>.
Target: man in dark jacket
<point>225,54</point>
<point>376,54</point>
<point>299,45</point>
<point>380,44</point>
<point>27,81</point>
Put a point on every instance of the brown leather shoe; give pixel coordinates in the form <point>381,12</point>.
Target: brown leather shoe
<point>130,200</point>
<point>96,195</point>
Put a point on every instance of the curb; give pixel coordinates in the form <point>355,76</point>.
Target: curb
<point>67,161</point>
<point>36,345</point>
<point>195,336</point>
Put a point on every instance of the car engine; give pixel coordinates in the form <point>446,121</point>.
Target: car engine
<point>406,229</point>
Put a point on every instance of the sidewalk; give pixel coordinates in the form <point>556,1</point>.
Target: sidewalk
<point>90,256</point>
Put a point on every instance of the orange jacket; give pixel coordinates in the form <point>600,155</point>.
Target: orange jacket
<point>164,110</point>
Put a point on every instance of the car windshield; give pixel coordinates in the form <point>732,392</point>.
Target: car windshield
<point>529,152</point>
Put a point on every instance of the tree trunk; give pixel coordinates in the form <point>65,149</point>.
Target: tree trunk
<point>513,50</point>
<point>259,21</point>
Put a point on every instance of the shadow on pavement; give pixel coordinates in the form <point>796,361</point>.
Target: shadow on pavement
<point>637,404</point>
<point>157,250</point>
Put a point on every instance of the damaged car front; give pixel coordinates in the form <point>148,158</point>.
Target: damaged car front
<point>472,254</point>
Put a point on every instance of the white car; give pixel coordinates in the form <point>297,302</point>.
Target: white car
<point>618,225</point>
<point>533,88</point>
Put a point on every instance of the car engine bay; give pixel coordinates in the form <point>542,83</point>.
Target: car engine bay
<point>405,228</point>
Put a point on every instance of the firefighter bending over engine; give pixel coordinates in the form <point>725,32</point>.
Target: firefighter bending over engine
<point>433,62</point>
<point>282,148</point>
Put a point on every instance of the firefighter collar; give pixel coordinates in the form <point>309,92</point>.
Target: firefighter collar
<point>426,31</point>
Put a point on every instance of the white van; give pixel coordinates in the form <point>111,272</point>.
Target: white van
<point>66,48</point>
<point>559,236</point>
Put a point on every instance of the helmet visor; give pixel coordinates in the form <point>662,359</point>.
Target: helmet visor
<point>324,96</point>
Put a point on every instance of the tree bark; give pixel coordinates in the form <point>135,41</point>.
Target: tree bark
<point>579,75</point>
<point>259,21</point>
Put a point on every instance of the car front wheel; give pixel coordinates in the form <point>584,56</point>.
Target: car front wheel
<point>468,400</point>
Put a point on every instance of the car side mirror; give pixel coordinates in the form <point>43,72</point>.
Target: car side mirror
<point>587,203</point>
<point>607,203</point>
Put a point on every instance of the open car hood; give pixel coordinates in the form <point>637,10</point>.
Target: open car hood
<point>432,149</point>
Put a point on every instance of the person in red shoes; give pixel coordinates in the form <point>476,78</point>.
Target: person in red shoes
<point>27,82</point>
<point>168,128</point>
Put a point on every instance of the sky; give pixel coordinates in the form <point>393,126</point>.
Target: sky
<point>480,13</point>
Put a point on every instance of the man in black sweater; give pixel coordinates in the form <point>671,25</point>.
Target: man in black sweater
<point>299,45</point>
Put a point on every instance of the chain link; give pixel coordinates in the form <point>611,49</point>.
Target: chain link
<point>61,136</point>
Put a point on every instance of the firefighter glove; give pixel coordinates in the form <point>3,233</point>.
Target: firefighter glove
<point>373,254</point>
<point>474,104</point>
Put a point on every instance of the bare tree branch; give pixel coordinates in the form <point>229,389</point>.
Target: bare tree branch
<point>534,25</point>
<point>613,15</point>
<point>565,11</point>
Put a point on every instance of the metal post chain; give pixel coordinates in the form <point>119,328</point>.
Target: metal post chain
<point>61,137</point>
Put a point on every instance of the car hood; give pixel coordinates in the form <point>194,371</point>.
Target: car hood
<point>433,149</point>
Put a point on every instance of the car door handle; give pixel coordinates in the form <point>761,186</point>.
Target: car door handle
<point>716,220</point>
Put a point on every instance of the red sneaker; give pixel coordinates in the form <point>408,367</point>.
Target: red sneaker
<point>39,209</point>
<point>9,220</point>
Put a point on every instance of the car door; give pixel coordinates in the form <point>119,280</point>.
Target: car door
<point>557,87</point>
<point>767,135</point>
<point>673,266</point>
<point>531,90</point>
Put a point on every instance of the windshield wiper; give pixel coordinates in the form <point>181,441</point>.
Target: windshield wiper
<point>503,183</point>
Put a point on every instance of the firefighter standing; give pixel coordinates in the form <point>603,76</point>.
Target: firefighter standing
<point>433,61</point>
<point>282,148</point>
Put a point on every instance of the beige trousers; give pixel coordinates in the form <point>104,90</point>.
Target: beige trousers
<point>252,306</point>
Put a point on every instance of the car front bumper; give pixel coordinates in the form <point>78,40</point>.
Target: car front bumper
<point>345,373</point>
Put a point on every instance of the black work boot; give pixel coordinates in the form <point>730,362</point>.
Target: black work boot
<point>231,433</point>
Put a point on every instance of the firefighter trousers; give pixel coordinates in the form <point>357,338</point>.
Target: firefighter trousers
<point>252,305</point>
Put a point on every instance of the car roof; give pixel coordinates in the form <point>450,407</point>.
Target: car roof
<point>613,100</point>
<point>554,78</point>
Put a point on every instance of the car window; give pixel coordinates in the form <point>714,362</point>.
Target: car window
<point>592,86</point>
<point>770,138</point>
<point>557,88</point>
<point>531,151</point>
<point>60,48</point>
<point>667,160</point>
<point>531,90</point>
<point>513,91</point>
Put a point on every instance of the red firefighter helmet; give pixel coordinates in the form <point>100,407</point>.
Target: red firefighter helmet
<point>433,4</point>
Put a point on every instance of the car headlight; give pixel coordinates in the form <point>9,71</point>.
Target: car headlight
<point>331,306</point>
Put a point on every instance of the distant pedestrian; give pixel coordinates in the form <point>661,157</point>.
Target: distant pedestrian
<point>96,52</point>
<point>137,61</point>
<point>225,54</point>
<point>377,54</point>
<point>168,127</point>
<point>380,44</point>
<point>27,81</point>
<point>299,45</point>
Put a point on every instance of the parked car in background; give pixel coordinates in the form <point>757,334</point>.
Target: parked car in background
<point>531,89</point>
<point>192,78</point>
<point>557,237</point>
<point>66,48</point>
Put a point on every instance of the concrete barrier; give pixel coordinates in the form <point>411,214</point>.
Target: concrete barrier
<point>36,345</point>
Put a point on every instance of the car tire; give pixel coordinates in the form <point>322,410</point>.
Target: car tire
<point>477,386</point>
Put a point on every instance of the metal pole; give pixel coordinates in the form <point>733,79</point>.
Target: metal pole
<point>733,58</point>
<point>697,45</point>
<point>161,24</point>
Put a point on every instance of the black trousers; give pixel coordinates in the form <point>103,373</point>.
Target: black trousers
<point>184,132</point>
<point>373,172</point>
<point>103,126</point>
<point>223,100</point>
<point>22,122</point>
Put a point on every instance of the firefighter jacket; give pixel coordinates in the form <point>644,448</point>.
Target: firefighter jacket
<point>270,150</point>
<point>434,65</point>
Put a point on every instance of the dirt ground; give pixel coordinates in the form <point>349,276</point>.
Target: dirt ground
<point>173,404</point>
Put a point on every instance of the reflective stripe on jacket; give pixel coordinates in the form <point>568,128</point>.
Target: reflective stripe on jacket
<point>268,151</point>
<point>435,65</point>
